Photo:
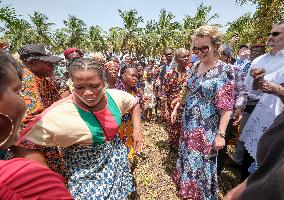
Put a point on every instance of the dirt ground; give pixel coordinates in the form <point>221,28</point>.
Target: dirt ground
<point>153,170</point>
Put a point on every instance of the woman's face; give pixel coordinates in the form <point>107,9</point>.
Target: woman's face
<point>128,60</point>
<point>113,70</point>
<point>130,76</point>
<point>203,48</point>
<point>11,105</point>
<point>88,86</point>
<point>140,70</point>
<point>164,60</point>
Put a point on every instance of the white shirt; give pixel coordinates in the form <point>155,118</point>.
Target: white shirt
<point>262,117</point>
<point>271,64</point>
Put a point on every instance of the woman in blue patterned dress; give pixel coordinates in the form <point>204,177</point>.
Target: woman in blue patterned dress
<point>208,104</point>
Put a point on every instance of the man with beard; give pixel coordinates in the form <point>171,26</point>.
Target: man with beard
<point>273,65</point>
<point>271,61</point>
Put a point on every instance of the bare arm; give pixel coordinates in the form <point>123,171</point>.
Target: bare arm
<point>174,113</point>
<point>30,154</point>
<point>137,133</point>
<point>272,88</point>
<point>224,120</point>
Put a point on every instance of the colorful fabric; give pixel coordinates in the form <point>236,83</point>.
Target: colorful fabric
<point>38,93</point>
<point>126,128</point>
<point>172,86</point>
<point>96,160</point>
<point>208,94</point>
<point>53,156</point>
<point>49,129</point>
<point>150,100</point>
<point>241,93</point>
<point>24,179</point>
<point>59,78</point>
<point>100,171</point>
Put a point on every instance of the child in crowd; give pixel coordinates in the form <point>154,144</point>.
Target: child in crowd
<point>149,97</point>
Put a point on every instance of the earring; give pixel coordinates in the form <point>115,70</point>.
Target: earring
<point>6,117</point>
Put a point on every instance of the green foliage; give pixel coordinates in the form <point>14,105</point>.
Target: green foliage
<point>149,40</point>
<point>8,16</point>
<point>75,29</point>
<point>41,29</point>
<point>95,39</point>
<point>252,28</point>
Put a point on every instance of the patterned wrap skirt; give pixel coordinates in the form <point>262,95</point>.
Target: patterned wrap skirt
<point>100,171</point>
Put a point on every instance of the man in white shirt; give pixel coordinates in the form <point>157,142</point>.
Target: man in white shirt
<point>272,61</point>
<point>273,64</point>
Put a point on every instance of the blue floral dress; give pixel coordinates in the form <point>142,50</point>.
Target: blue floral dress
<point>213,91</point>
<point>95,157</point>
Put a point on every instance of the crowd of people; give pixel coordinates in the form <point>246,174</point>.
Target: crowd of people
<point>71,127</point>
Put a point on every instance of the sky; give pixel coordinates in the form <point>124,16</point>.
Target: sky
<point>104,13</point>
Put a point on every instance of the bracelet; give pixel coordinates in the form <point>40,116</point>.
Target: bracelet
<point>221,133</point>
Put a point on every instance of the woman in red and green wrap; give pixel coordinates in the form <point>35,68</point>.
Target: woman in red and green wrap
<point>86,125</point>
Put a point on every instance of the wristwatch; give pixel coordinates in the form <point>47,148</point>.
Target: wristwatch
<point>221,133</point>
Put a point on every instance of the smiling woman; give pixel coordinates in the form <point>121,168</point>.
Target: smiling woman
<point>207,111</point>
<point>86,123</point>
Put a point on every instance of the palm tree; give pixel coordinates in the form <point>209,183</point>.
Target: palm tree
<point>166,29</point>
<point>114,38</point>
<point>41,28</point>
<point>59,40</point>
<point>96,41</point>
<point>75,30</point>
<point>18,35</point>
<point>8,16</point>
<point>130,22</point>
<point>243,27</point>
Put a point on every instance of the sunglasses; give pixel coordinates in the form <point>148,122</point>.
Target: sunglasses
<point>274,34</point>
<point>203,49</point>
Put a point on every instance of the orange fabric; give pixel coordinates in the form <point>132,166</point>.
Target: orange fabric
<point>38,93</point>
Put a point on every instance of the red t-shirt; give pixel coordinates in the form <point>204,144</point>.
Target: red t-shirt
<point>24,179</point>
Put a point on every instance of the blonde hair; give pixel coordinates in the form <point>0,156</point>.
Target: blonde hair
<point>208,31</point>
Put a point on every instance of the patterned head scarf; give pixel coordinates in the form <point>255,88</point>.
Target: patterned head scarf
<point>109,63</point>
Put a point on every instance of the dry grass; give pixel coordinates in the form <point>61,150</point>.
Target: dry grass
<point>153,173</point>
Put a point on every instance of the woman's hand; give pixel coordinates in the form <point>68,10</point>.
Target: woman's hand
<point>137,140</point>
<point>238,115</point>
<point>174,116</point>
<point>219,142</point>
<point>174,113</point>
<point>174,102</point>
<point>166,114</point>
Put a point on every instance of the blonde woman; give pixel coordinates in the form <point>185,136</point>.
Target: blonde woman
<point>208,105</point>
